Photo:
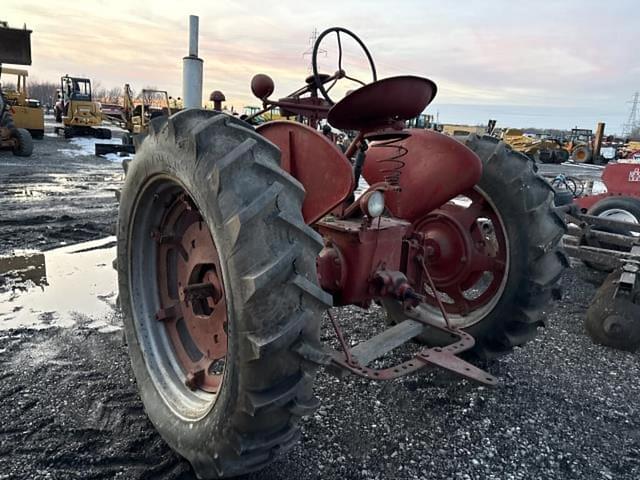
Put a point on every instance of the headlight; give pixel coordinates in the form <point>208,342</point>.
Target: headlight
<point>372,203</point>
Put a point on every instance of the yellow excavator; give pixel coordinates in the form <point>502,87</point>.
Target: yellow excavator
<point>135,117</point>
<point>27,112</point>
<point>15,48</point>
<point>79,114</point>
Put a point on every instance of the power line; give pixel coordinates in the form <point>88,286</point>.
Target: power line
<point>312,41</point>
<point>633,122</point>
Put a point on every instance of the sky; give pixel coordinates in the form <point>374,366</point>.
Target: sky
<point>554,64</point>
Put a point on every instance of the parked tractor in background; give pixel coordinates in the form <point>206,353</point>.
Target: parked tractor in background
<point>27,112</point>
<point>76,109</point>
<point>234,241</point>
<point>15,48</point>
<point>135,117</point>
<point>580,145</point>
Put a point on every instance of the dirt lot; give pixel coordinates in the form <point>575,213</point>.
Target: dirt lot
<point>564,408</point>
<point>59,195</point>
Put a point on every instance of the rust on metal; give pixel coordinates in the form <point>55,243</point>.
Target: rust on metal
<point>442,357</point>
<point>192,300</point>
<point>461,245</point>
<point>383,103</point>
<point>427,152</point>
<point>363,250</point>
<point>298,144</point>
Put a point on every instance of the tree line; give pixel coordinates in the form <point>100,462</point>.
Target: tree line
<point>46,92</point>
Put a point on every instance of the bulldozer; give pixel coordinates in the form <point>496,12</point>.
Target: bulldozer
<point>135,118</point>
<point>27,112</point>
<point>235,245</point>
<point>76,109</point>
<point>539,150</point>
<point>15,48</point>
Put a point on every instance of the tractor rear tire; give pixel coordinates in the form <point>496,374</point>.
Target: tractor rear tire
<point>24,148</point>
<point>525,201</point>
<point>581,154</point>
<point>533,229</point>
<point>253,212</point>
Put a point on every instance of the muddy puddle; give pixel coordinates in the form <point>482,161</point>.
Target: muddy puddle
<point>60,288</point>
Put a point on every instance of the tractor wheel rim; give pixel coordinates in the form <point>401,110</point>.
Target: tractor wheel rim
<point>620,215</point>
<point>472,292</point>
<point>178,298</point>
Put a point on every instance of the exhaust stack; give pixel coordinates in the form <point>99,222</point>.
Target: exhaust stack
<point>192,69</point>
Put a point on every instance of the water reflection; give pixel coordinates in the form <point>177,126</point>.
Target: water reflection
<point>63,287</point>
<point>20,271</point>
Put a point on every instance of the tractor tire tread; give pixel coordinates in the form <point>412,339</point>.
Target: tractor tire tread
<point>517,322</point>
<point>279,303</point>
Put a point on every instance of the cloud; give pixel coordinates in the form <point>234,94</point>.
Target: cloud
<point>571,53</point>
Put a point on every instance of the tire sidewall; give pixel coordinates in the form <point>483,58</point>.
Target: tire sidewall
<point>145,167</point>
<point>515,228</point>
<point>630,204</point>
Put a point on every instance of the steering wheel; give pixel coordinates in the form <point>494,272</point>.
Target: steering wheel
<point>321,79</point>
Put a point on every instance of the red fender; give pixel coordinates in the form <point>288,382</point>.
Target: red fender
<point>433,168</point>
<point>314,161</point>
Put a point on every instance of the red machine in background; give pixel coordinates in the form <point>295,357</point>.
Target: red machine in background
<point>604,232</point>
<point>621,180</point>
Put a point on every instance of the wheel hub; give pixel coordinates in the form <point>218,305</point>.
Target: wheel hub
<point>192,297</point>
<point>447,248</point>
<point>466,254</point>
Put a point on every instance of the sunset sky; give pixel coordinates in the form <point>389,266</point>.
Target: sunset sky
<point>542,63</point>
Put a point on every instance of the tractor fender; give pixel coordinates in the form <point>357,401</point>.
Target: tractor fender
<point>316,162</point>
<point>431,168</point>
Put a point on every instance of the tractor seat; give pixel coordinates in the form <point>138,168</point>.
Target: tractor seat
<point>382,103</point>
<point>310,80</point>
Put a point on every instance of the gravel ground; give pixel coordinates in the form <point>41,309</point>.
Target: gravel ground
<point>55,197</point>
<point>563,409</point>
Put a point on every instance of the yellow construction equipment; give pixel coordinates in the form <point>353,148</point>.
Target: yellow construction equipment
<point>27,112</point>
<point>15,47</point>
<point>77,111</point>
<point>543,150</point>
<point>580,145</point>
<point>136,116</point>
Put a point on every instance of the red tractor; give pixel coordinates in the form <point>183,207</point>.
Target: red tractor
<point>234,241</point>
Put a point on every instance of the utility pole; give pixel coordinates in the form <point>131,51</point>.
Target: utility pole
<point>633,122</point>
